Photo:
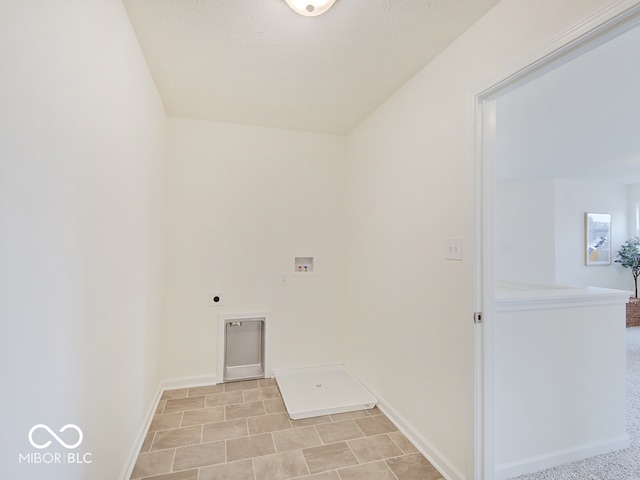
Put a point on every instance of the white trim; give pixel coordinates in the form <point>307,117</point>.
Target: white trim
<point>560,457</point>
<point>435,457</point>
<point>560,298</point>
<point>601,26</point>
<point>188,382</point>
<point>486,173</point>
<point>142,433</point>
<point>595,29</point>
<point>168,384</point>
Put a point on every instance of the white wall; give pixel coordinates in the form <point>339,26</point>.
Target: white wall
<point>81,186</point>
<point>525,231</point>
<point>243,202</point>
<point>573,199</point>
<point>546,217</point>
<point>410,185</point>
<point>578,350</point>
<point>634,210</point>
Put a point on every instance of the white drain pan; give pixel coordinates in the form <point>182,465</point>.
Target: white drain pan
<point>316,391</point>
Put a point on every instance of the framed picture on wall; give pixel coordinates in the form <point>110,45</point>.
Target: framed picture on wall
<point>597,228</point>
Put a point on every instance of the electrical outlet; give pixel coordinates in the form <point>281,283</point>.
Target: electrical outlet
<point>215,300</point>
<point>453,248</point>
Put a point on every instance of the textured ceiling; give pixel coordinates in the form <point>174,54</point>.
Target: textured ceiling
<point>257,62</point>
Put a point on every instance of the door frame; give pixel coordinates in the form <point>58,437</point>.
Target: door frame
<point>597,29</point>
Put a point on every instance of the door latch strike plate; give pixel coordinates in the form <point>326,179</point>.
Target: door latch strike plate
<point>477,317</point>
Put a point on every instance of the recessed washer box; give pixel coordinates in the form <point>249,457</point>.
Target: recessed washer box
<point>242,347</point>
<point>303,265</point>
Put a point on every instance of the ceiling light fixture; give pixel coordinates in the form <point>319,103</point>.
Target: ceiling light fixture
<point>310,8</point>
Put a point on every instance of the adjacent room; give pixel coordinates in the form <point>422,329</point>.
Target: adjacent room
<point>566,165</point>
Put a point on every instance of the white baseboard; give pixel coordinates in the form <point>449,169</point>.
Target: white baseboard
<point>437,459</point>
<point>560,457</point>
<point>142,432</point>
<point>188,382</point>
<point>168,384</point>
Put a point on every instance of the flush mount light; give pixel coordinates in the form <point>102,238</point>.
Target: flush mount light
<point>310,8</point>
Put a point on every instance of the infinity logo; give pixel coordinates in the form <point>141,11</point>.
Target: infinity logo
<point>58,439</point>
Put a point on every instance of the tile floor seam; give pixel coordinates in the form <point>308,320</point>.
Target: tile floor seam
<point>152,444</point>
<point>186,410</point>
<point>316,430</point>
<point>253,467</point>
<point>161,450</point>
<point>305,459</point>
<point>288,420</point>
<point>167,429</point>
<point>152,440</point>
<point>392,472</point>
<point>395,443</point>
<point>273,443</point>
<point>364,435</point>
<point>173,470</point>
<point>352,453</point>
<point>173,459</point>
<point>374,461</point>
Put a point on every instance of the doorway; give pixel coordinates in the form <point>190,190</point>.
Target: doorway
<point>597,31</point>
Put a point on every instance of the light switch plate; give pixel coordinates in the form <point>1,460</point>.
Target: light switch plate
<point>453,248</point>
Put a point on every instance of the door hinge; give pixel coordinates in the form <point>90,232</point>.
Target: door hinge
<point>477,317</point>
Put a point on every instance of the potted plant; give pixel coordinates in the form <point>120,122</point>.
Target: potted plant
<point>629,257</point>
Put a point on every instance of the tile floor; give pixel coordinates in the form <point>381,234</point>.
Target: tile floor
<point>241,431</point>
